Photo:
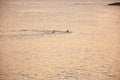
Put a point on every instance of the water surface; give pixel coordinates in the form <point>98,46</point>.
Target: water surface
<point>30,50</point>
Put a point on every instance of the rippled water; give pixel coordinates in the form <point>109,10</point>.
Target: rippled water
<point>59,40</point>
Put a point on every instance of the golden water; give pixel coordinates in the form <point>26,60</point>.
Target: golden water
<point>29,50</point>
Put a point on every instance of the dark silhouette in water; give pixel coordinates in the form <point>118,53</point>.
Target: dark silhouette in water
<point>56,31</point>
<point>53,31</point>
<point>67,31</point>
<point>114,4</point>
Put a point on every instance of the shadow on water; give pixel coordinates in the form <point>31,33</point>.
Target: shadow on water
<point>23,34</point>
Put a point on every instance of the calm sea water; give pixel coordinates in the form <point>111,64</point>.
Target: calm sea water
<point>35,44</point>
